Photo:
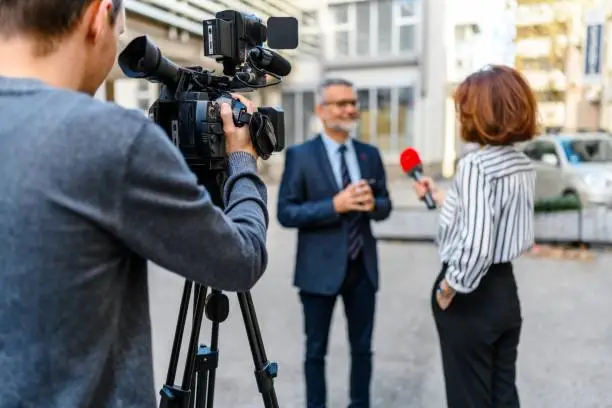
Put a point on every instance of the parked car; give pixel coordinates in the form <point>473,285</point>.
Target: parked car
<point>577,165</point>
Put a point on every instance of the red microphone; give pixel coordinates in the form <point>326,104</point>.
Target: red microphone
<point>412,166</point>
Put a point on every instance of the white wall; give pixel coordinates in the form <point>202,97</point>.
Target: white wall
<point>305,74</point>
<point>433,106</point>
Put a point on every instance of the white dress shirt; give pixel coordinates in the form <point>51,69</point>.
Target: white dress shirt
<point>487,216</point>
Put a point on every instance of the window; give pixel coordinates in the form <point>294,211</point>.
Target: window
<point>407,38</point>
<point>290,111</point>
<point>340,13</point>
<point>300,117</point>
<point>406,119</point>
<point>363,28</point>
<point>383,119</point>
<point>365,117</point>
<point>374,28</point>
<point>342,43</point>
<point>308,115</point>
<point>537,149</point>
<point>387,117</point>
<point>407,8</point>
<point>385,26</point>
<point>587,150</point>
<point>406,21</point>
<point>341,28</point>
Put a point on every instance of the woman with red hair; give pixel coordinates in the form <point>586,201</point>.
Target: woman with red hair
<point>486,221</point>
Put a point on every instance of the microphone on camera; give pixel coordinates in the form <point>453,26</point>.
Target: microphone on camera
<point>271,61</point>
<point>413,167</point>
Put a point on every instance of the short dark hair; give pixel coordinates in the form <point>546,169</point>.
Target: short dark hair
<point>496,106</point>
<point>46,20</point>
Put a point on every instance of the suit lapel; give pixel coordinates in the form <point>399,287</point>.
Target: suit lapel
<point>324,164</point>
<point>362,159</point>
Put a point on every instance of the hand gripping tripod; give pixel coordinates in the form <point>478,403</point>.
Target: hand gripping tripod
<point>198,386</point>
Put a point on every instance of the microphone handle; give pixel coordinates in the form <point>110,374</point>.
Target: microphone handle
<point>428,198</point>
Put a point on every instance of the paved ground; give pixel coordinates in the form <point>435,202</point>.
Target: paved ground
<point>565,354</point>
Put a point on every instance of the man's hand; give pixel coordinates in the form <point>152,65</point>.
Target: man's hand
<point>237,139</point>
<point>355,197</point>
<point>366,196</point>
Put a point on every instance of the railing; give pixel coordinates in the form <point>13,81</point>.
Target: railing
<point>558,221</point>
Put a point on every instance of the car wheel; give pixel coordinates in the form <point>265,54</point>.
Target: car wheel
<point>569,194</point>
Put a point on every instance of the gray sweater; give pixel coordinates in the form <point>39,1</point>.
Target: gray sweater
<point>88,192</point>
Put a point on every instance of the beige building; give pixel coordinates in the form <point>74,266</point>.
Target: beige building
<point>550,51</point>
<point>605,95</point>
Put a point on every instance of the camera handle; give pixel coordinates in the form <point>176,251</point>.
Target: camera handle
<point>197,388</point>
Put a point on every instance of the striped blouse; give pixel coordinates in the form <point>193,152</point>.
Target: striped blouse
<point>487,217</point>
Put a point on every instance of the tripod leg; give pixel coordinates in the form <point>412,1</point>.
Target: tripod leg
<point>172,396</point>
<point>217,310</point>
<point>200,293</point>
<point>212,373</point>
<point>198,395</point>
<point>265,371</point>
<point>200,388</point>
<point>178,334</point>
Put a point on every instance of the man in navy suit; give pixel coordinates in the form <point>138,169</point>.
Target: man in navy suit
<point>332,186</point>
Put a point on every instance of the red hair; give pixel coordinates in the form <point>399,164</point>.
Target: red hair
<point>496,106</point>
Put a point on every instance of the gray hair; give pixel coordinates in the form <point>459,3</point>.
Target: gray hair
<point>326,83</point>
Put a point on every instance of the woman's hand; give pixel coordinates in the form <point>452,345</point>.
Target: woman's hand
<point>426,184</point>
<point>445,295</point>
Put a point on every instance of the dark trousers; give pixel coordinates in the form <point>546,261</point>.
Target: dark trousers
<point>359,302</point>
<point>479,335</point>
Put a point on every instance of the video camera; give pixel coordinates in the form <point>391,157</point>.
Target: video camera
<point>188,108</point>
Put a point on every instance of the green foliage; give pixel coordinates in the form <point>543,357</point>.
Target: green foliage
<point>565,203</point>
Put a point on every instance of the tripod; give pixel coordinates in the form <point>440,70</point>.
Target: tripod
<point>198,386</point>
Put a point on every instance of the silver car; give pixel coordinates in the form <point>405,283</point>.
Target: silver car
<point>578,165</point>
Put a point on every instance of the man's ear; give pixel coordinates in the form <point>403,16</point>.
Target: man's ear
<point>319,109</point>
<point>98,18</point>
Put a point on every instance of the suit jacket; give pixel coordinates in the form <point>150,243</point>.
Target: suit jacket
<point>305,202</point>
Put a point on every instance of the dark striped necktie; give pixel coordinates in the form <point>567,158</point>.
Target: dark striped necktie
<point>355,240</point>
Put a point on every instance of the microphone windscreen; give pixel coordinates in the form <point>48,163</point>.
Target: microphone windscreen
<point>279,65</point>
<point>409,160</point>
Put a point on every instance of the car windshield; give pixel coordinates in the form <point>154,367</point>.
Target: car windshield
<point>588,150</point>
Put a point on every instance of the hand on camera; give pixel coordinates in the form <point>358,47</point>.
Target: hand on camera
<point>427,184</point>
<point>237,139</point>
<point>355,197</point>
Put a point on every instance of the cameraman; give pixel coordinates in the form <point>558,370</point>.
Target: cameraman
<point>88,192</point>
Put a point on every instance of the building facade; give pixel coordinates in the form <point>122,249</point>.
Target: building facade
<point>393,52</point>
<point>605,112</point>
<point>462,38</point>
<point>551,51</point>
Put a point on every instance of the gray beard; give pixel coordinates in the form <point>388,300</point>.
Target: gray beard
<point>348,127</point>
